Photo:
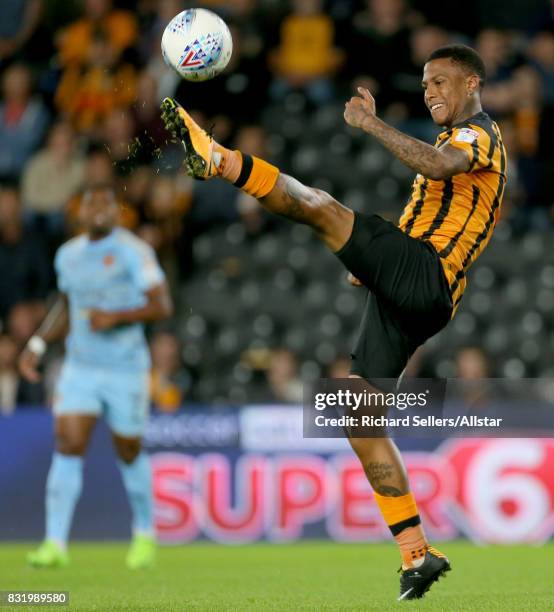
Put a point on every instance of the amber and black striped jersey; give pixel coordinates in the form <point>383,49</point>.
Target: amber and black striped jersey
<point>458,215</point>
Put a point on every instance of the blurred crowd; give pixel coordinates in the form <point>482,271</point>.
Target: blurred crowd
<point>81,82</point>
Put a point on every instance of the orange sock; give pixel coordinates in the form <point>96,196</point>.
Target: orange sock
<point>251,174</point>
<point>231,163</point>
<point>401,515</point>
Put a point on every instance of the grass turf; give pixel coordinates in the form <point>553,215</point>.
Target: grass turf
<point>304,576</point>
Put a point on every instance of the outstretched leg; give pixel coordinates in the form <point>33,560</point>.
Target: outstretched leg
<point>333,224</point>
<point>331,221</point>
<point>277,192</point>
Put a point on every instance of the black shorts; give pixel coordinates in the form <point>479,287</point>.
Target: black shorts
<point>408,297</point>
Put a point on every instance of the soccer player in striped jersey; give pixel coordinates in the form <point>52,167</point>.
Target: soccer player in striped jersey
<point>415,274</point>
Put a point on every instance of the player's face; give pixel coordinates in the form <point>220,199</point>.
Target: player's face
<point>99,212</point>
<point>446,90</point>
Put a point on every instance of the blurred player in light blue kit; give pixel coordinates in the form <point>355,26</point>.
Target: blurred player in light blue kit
<point>110,284</point>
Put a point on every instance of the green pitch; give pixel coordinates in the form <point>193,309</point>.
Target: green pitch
<point>308,576</point>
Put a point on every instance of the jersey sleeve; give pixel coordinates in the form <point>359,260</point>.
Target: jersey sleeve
<point>61,280</point>
<point>144,267</point>
<point>476,142</point>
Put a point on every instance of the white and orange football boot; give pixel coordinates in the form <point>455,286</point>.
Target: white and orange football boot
<point>201,156</point>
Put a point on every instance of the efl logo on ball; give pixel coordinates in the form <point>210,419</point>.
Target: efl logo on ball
<point>197,44</point>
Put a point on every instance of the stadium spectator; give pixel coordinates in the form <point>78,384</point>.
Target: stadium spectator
<point>408,109</point>
<point>118,28</point>
<point>212,206</point>
<point>9,377</point>
<point>541,53</point>
<point>139,184</point>
<point>511,83</point>
<point>306,58</point>
<point>340,367</point>
<point>513,92</point>
<point>88,94</point>
<point>420,364</point>
<point>252,139</point>
<point>251,214</point>
<point>146,109</point>
<point>472,363</point>
<point>171,383</point>
<point>53,176</point>
<point>20,19</point>
<point>14,391</point>
<point>157,16</point>
<point>232,7</point>
<point>167,205</point>
<point>284,385</point>
<point>494,48</point>
<point>256,23</point>
<point>472,371</point>
<point>26,272</point>
<point>149,45</point>
<point>378,46</point>
<point>23,320</point>
<point>117,132</point>
<point>514,193</point>
<point>23,121</point>
<point>218,204</point>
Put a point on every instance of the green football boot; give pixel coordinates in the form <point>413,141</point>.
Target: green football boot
<point>142,553</point>
<point>48,554</point>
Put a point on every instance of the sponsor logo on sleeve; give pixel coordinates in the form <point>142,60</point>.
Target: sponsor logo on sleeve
<point>467,135</point>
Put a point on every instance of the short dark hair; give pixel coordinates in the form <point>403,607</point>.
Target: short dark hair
<point>96,187</point>
<point>465,56</point>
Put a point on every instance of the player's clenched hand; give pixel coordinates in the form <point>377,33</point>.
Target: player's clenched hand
<point>28,366</point>
<point>359,108</point>
<point>100,320</point>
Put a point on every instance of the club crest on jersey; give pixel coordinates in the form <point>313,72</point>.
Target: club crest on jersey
<point>108,260</point>
<point>467,135</point>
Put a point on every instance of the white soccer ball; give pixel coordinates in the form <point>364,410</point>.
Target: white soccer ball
<point>197,44</point>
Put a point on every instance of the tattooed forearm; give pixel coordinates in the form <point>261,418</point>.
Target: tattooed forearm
<point>418,155</point>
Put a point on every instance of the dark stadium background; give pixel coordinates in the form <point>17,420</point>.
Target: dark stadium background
<point>261,306</point>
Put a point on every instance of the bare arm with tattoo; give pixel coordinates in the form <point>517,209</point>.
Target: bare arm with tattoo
<point>331,220</point>
<point>425,159</point>
<point>53,328</point>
